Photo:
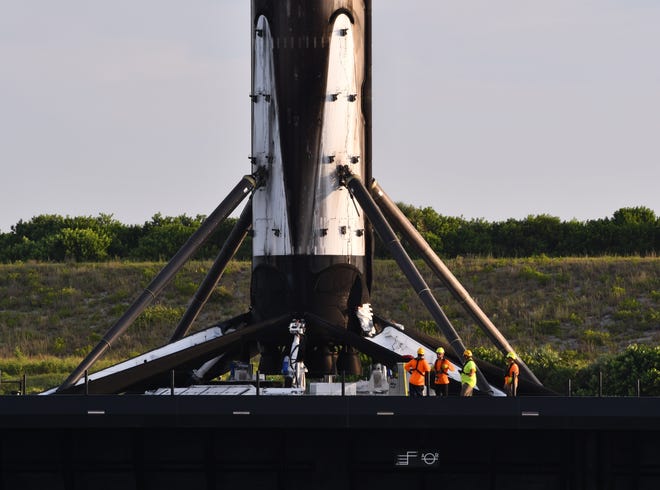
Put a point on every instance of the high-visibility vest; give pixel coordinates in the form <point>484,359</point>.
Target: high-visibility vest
<point>465,375</point>
<point>510,373</point>
<point>418,369</point>
<point>441,368</point>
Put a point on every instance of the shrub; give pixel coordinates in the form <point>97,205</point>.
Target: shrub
<point>622,371</point>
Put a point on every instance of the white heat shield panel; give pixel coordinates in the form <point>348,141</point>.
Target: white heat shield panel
<point>338,222</point>
<point>270,219</point>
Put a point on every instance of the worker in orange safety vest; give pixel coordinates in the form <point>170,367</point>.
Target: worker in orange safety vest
<point>441,367</point>
<point>418,368</point>
<point>511,376</point>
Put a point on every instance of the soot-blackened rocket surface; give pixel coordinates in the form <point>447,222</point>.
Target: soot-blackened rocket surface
<point>310,115</point>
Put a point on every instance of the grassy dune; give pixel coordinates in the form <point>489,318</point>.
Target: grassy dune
<point>591,305</point>
<point>52,314</point>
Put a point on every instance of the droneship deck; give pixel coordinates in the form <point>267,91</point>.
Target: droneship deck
<point>291,442</point>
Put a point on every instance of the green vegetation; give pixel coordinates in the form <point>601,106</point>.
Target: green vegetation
<point>569,318</point>
<point>54,238</point>
<point>634,367</point>
<point>630,231</point>
<point>64,281</point>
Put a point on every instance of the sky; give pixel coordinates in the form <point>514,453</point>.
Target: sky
<point>482,109</point>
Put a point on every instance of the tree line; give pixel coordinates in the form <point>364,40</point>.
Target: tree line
<point>55,238</point>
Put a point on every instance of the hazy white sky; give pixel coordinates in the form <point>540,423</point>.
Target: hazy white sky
<point>481,108</point>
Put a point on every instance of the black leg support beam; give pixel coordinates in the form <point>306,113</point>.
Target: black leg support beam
<point>407,266</point>
<point>229,248</point>
<point>155,287</point>
<point>442,272</point>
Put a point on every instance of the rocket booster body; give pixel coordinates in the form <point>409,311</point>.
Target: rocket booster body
<point>311,110</point>
<point>312,241</point>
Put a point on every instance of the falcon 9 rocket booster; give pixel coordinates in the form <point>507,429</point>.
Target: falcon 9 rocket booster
<point>311,110</point>
<point>312,210</point>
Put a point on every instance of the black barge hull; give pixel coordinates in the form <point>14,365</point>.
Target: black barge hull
<point>217,442</point>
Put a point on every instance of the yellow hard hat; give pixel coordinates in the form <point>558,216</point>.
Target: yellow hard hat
<point>467,353</point>
<point>440,350</point>
<point>511,355</point>
<point>420,351</point>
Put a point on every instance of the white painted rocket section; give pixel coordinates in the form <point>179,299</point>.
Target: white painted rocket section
<point>339,226</point>
<point>270,220</point>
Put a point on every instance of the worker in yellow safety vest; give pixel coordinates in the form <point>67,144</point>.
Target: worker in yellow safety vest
<point>468,374</point>
<point>417,368</point>
<point>441,367</point>
<point>511,376</point>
